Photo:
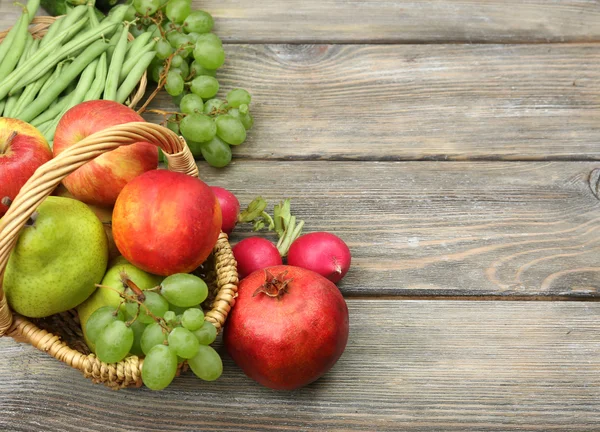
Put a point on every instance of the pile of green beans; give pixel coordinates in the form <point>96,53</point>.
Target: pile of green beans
<point>79,59</point>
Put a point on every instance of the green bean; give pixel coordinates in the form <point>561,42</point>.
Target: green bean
<point>2,105</point>
<point>80,42</point>
<point>129,64</point>
<point>44,125</point>
<point>7,43</point>
<point>16,50</point>
<point>112,43</point>
<point>11,104</point>
<point>92,15</point>
<point>117,14</point>
<point>49,114</point>
<point>136,44</point>
<point>72,71</point>
<point>54,76</point>
<point>97,88</point>
<point>134,76</point>
<point>52,31</point>
<point>116,62</point>
<point>32,90</point>
<point>76,98</point>
<point>32,8</point>
<point>16,75</point>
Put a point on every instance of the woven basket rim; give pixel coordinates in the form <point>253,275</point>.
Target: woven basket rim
<point>126,373</point>
<point>39,26</point>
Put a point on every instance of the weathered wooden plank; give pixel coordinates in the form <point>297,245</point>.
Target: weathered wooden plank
<point>443,228</point>
<point>405,21</point>
<point>409,365</point>
<point>386,102</point>
<point>398,21</point>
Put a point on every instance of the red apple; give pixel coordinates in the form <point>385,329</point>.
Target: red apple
<point>22,150</point>
<point>101,180</point>
<point>166,222</point>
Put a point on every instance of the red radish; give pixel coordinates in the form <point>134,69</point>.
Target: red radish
<point>321,252</point>
<point>255,253</point>
<point>230,208</point>
<point>289,327</point>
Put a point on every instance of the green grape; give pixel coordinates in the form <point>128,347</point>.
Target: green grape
<point>208,55</point>
<point>199,70</point>
<point>146,7</point>
<point>179,310</point>
<point>206,334</point>
<point>230,129</point>
<point>174,84</point>
<point>196,148</point>
<point>161,156</point>
<point>163,49</point>
<point>243,115</point>
<point>153,335</point>
<point>130,14</point>
<point>136,30</point>
<point>207,364</point>
<point>173,124</point>
<point>138,328</point>
<point>177,71</point>
<point>170,316</point>
<point>183,342</point>
<point>185,70</point>
<point>197,127</point>
<point>160,367</point>
<point>192,319</point>
<point>237,97</point>
<point>177,39</point>
<point>114,342</point>
<point>154,302</point>
<point>191,103</point>
<point>100,319</point>
<point>210,38</point>
<point>198,22</point>
<point>205,86</point>
<point>176,60</point>
<point>216,152</point>
<point>156,72</point>
<point>169,26</point>
<point>183,289</point>
<point>212,105</point>
<point>178,10</point>
<point>177,99</point>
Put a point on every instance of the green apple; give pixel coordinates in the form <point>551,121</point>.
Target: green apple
<point>57,260</point>
<point>108,297</point>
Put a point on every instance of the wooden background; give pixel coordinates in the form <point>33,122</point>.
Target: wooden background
<point>455,146</point>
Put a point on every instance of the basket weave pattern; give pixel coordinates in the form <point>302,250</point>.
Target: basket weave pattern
<point>43,182</point>
<point>39,27</point>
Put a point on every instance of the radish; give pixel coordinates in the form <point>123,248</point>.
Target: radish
<point>321,252</point>
<point>230,208</point>
<point>255,253</point>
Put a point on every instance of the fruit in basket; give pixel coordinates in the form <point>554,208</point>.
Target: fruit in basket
<point>101,180</point>
<point>58,259</point>
<point>166,222</point>
<point>22,150</point>
<point>322,252</point>
<point>107,297</point>
<point>255,253</point>
<point>289,326</point>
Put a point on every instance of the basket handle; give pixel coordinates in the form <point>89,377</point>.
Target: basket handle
<point>45,179</point>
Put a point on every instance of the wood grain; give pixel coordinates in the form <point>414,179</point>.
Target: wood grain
<point>447,102</point>
<point>402,21</point>
<point>416,366</point>
<point>442,228</point>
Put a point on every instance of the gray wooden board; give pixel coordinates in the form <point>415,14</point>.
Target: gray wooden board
<point>442,228</point>
<point>405,21</point>
<point>409,365</point>
<point>415,102</point>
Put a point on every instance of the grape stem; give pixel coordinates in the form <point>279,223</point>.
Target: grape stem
<point>128,283</point>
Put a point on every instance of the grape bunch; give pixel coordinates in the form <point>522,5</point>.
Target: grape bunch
<point>165,324</point>
<point>187,58</point>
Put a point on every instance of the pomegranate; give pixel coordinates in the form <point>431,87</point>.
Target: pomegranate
<point>289,327</point>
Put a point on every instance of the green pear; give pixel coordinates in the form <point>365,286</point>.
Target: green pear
<point>109,297</point>
<point>57,260</point>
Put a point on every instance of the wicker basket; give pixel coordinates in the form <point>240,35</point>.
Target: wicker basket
<point>219,271</point>
<point>39,27</point>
